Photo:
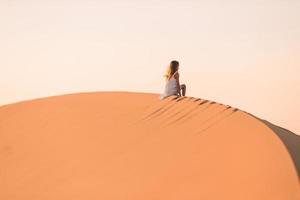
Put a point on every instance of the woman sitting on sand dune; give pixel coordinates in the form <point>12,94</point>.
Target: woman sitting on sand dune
<point>173,87</point>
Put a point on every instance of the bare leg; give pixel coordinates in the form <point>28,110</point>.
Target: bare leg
<point>183,89</point>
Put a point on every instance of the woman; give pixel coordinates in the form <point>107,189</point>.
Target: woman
<point>173,86</point>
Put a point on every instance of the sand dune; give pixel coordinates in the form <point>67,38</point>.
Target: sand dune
<point>291,141</point>
<point>121,145</point>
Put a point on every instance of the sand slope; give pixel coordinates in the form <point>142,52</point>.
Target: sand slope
<point>120,145</point>
<point>291,141</point>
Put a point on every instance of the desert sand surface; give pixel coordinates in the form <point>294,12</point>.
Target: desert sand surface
<point>125,145</point>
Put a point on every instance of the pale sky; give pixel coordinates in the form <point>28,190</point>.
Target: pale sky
<point>242,53</point>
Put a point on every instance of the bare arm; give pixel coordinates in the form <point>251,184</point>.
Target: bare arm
<point>176,76</point>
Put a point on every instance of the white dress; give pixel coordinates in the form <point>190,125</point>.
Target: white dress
<point>170,88</point>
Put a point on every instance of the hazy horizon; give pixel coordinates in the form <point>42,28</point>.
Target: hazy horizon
<point>242,53</point>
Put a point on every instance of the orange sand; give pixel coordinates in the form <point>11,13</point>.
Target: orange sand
<point>132,146</point>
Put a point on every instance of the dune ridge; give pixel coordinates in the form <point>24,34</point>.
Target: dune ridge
<point>290,140</point>
<point>124,145</point>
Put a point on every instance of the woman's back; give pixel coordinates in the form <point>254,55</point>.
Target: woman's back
<point>170,87</point>
<point>173,86</point>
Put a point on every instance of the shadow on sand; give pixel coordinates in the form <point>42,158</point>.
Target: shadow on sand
<point>290,140</point>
